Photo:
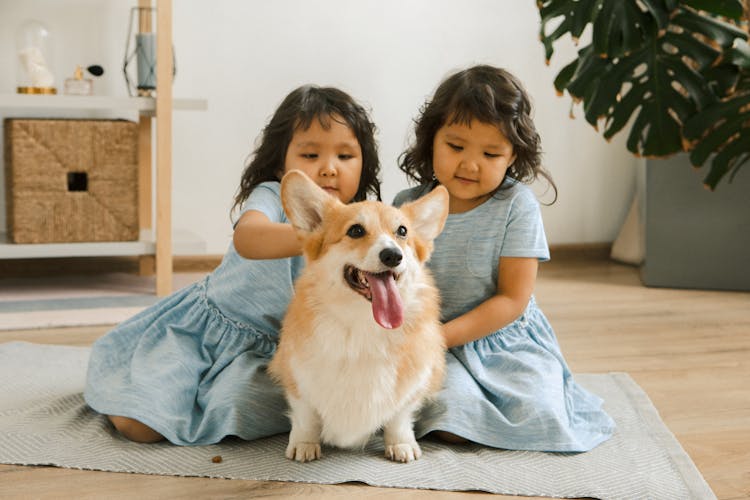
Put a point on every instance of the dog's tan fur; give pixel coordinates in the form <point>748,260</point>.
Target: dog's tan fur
<point>345,376</point>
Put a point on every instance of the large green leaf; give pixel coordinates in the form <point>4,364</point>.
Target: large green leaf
<point>724,77</point>
<point>656,62</point>
<point>722,133</point>
<point>739,54</point>
<point>727,8</point>
<point>621,26</point>
<point>575,14</point>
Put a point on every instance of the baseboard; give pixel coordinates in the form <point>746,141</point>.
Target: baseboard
<point>581,251</point>
<point>19,268</point>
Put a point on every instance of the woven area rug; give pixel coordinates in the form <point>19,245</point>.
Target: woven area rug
<point>44,421</point>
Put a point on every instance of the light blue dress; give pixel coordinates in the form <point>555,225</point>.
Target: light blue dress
<point>511,389</point>
<point>193,365</point>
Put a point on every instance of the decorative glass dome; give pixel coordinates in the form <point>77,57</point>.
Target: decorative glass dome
<point>34,59</point>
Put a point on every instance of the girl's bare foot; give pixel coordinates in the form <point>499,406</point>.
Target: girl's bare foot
<point>135,430</point>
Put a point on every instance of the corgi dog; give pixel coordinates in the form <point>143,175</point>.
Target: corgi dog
<point>361,345</point>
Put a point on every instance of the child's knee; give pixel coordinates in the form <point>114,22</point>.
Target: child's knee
<point>135,430</point>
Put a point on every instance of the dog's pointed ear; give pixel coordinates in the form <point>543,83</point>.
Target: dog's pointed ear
<point>303,201</point>
<point>428,213</point>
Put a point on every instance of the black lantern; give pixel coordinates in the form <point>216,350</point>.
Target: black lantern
<point>140,51</point>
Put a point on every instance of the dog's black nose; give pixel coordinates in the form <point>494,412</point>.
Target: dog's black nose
<point>391,257</point>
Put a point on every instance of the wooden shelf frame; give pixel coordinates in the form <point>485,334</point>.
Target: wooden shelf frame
<point>164,72</point>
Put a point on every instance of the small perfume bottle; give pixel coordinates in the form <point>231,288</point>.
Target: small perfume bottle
<point>78,85</point>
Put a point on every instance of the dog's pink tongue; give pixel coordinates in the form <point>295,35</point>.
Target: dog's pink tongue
<point>387,308</point>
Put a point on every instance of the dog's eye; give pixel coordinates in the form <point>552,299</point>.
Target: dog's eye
<point>401,231</point>
<point>356,231</point>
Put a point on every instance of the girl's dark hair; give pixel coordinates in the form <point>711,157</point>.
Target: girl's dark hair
<point>489,95</point>
<point>297,111</point>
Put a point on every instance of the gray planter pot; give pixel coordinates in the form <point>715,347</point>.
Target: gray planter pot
<point>695,238</point>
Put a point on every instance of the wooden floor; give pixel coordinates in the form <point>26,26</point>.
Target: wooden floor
<point>689,350</point>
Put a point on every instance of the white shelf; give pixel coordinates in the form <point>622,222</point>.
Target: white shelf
<point>143,105</point>
<point>183,243</point>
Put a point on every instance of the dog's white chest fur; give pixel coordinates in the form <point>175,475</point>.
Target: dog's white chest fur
<point>350,379</point>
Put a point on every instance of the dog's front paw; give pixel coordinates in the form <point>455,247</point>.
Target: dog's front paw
<point>303,452</point>
<point>403,452</point>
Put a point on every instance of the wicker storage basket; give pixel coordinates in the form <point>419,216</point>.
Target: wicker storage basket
<point>71,180</point>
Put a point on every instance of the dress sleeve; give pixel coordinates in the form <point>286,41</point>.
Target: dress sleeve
<point>266,198</point>
<point>524,233</point>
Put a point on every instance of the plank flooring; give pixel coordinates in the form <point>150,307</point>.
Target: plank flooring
<point>688,349</point>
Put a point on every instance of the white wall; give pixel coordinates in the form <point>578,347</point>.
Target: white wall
<point>244,56</point>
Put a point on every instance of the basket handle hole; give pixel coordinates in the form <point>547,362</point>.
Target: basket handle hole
<point>78,181</point>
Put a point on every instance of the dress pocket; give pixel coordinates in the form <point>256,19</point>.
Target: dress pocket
<point>480,256</point>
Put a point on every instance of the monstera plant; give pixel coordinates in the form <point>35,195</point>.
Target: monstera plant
<point>677,70</point>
